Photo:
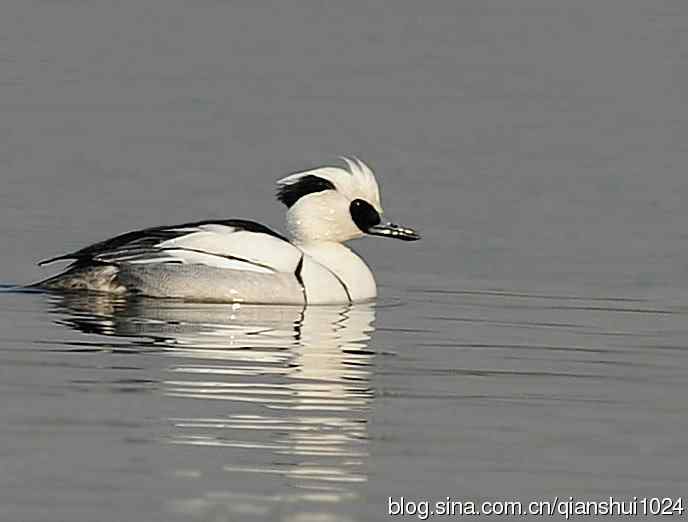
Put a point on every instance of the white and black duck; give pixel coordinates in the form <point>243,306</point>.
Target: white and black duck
<point>236,260</point>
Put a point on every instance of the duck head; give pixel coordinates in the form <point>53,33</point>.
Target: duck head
<point>337,204</point>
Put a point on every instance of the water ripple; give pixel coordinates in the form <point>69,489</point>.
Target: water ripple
<point>279,382</point>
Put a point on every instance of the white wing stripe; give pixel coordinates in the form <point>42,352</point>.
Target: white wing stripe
<point>211,244</point>
<point>254,247</point>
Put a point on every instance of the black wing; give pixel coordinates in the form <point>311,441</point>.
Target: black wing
<point>142,242</point>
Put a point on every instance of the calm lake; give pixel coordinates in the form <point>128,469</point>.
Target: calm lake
<point>534,344</point>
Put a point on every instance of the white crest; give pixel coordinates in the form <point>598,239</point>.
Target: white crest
<point>356,181</point>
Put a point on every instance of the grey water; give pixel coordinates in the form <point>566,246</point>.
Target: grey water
<point>533,344</point>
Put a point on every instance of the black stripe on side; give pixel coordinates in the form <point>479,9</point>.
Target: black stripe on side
<point>292,192</point>
<point>231,258</point>
<point>299,278</point>
<point>346,290</point>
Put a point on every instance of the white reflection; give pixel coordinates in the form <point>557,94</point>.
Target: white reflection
<point>280,393</point>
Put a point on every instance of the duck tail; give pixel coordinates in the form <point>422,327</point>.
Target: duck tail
<point>99,278</point>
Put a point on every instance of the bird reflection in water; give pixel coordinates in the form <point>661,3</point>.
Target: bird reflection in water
<point>283,392</point>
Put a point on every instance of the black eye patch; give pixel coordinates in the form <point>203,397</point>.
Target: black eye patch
<point>291,193</point>
<point>363,214</point>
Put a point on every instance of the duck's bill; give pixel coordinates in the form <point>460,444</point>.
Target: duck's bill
<point>395,231</point>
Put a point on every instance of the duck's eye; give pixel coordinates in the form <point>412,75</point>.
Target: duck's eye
<point>363,214</point>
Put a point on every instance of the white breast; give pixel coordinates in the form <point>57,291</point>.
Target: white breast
<point>321,285</point>
<point>349,269</point>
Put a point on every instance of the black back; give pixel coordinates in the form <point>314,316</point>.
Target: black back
<point>149,237</point>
